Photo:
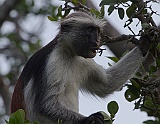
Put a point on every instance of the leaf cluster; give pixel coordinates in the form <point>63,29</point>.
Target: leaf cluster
<point>18,117</point>
<point>63,11</point>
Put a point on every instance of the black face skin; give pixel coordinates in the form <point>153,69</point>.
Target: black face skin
<point>85,38</point>
<point>93,41</point>
<point>88,42</point>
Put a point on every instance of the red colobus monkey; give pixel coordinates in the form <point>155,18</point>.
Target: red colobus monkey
<point>48,86</point>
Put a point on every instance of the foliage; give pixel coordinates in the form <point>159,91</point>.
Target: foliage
<point>18,117</point>
<point>143,89</point>
<point>112,108</point>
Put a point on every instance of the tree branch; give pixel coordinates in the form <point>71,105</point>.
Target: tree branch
<point>129,38</point>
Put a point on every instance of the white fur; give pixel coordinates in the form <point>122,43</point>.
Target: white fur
<point>86,19</point>
<point>72,75</point>
<point>29,98</point>
<point>67,75</point>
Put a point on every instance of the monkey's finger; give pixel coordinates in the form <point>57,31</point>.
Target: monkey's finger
<point>99,121</point>
<point>99,116</point>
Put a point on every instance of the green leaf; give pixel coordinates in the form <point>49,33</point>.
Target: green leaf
<point>138,74</point>
<point>102,11</point>
<point>158,63</point>
<point>144,11</point>
<point>66,13</point>
<point>145,25</point>
<point>130,96</point>
<point>18,117</point>
<point>152,69</point>
<point>52,18</point>
<point>121,13</point>
<point>138,104</point>
<point>95,12</point>
<point>113,108</point>
<point>33,3</point>
<point>109,64</point>
<point>114,59</point>
<point>108,2</point>
<point>59,11</point>
<point>27,122</point>
<point>158,46</point>
<point>75,2</point>
<point>149,103</point>
<point>111,2</point>
<point>106,116</point>
<point>110,9</point>
<point>59,121</point>
<point>83,2</point>
<point>131,10</point>
<point>135,84</point>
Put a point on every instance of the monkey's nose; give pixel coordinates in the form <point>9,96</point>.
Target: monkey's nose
<point>98,43</point>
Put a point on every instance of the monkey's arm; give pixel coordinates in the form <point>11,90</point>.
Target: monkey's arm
<point>55,111</point>
<point>118,74</point>
<point>103,82</point>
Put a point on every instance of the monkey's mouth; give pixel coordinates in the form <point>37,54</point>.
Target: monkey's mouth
<point>93,51</point>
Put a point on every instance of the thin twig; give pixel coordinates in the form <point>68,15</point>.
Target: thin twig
<point>131,38</point>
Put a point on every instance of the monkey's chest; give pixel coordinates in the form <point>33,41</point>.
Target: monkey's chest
<point>69,96</point>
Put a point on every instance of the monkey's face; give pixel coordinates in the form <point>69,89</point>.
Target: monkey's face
<point>93,43</point>
<point>83,32</point>
<point>87,41</point>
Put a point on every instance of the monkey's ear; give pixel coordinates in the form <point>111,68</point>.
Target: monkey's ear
<point>65,27</point>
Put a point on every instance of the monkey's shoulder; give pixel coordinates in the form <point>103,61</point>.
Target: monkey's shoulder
<point>37,62</point>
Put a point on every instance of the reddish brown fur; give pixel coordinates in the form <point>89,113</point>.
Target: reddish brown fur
<point>17,101</point>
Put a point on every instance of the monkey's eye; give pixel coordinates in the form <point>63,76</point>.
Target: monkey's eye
<point>98,30</point>
<point>91,29</point>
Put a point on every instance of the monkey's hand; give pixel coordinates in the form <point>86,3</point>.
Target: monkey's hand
<point>96,118</point>
<point>144,44</point>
